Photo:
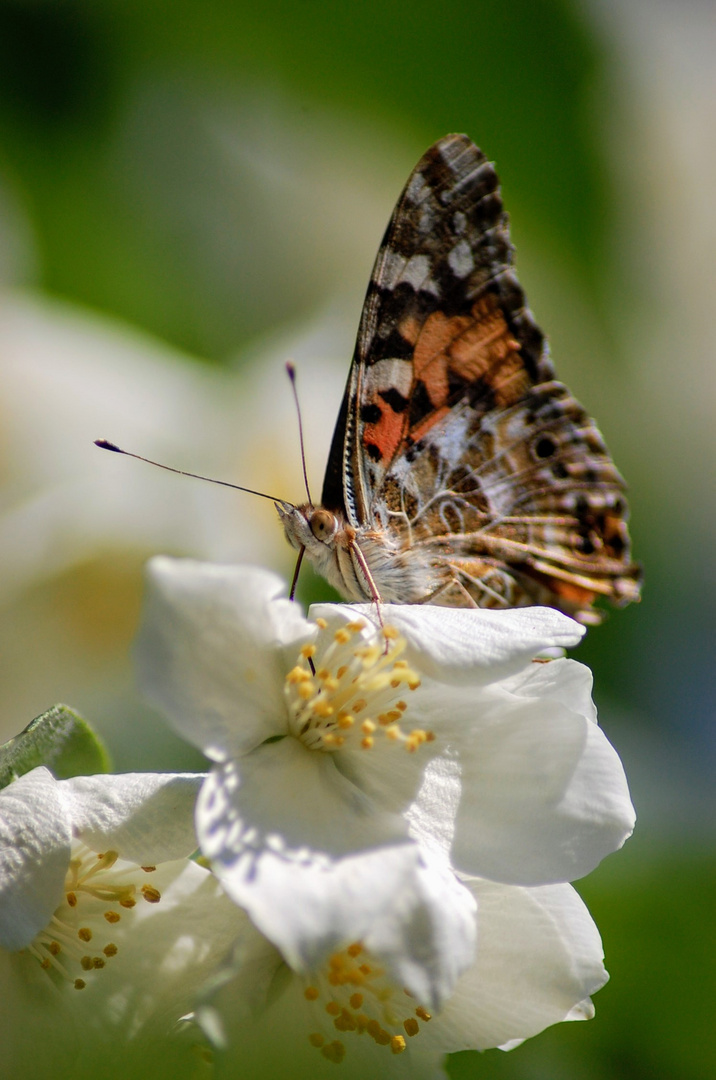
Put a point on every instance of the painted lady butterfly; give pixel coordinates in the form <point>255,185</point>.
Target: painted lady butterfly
<point>461,473</point>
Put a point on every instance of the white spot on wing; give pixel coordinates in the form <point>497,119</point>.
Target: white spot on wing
<point>417,188</point>
<point>417,274</point>
<point>389,373</point>
<point>460,260</point>
<point>392,268</point>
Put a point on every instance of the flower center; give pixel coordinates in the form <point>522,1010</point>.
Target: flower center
<point>354,996</point>
<point>349,692</point>
<point>96,888</point>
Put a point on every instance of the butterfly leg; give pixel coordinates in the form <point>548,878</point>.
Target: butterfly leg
<point>360,559</point>
<point>294,580</point>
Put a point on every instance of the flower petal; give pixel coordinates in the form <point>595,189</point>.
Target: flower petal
<point>146,817</point>
<point>210,652</point>
<point>539,957</point>
<point>331,872</point>
<point>467,645</point>
<point>529,791</point>
<point>35,837</point>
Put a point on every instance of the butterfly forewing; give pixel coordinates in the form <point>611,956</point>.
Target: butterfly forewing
<point>454,442</point>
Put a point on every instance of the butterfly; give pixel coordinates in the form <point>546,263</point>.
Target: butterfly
<point>461,472</point>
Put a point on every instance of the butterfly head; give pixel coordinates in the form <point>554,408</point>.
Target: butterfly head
<point>310,527</point>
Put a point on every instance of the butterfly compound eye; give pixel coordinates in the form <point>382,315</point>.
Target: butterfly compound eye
<point>323,524</point>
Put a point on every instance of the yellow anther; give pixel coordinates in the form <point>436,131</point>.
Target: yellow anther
<point>54,948</point>
<point>316,1040</point>
<point>321,623</point>
<point>397,1044</point>
<point>411,1025</point>
<point>323,709</point>
<point>333,1008</point>
<point>112,916</point>
<point>430,736</point>
<point>413,684</point>
<point>80,984</point>
<point>84,933</point>
<point>401,705</point>
<point>342,636</point>
<point>297,675</point>
<point>368,727</point>
<point>148,869</point>
<point>367,742</point>
<point>366,969</point>
<point>150,894</point>
<point>423,1013</point>
<point>391,633</point>
<point>86,963</point>
<point>341,671</point>
<point>383,1037</point>
<point>306,690</point>
<point>127,902</point>
<point>71,899</point>
<point>308,651</point>
<point>356,1001</point>
<point>334,1052</point>
<point>356,626</point>
<point>110,950</point>
<point>97,962</point>
<point>355,949</point>
<point>392,733</point>
<point>345,720</point>
<point>311,993</point>
<point>359,705</point>
<point>344,1022</point>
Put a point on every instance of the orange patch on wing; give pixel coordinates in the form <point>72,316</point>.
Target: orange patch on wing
<point>423,428</point>
<point>487,350</point>
<point>431,357</point>
<point>409,329</point>
<point>386,433</point>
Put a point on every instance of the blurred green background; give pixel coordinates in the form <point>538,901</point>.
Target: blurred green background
<point>192,193</point>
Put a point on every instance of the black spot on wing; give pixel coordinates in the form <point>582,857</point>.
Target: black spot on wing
<point>420,404</point>
<point>394,399</point>
<point>370,413</point>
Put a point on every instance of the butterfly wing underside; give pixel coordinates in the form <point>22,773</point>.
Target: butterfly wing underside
<point>454,438</point>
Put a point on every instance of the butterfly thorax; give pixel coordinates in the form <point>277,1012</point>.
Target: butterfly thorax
<point>361,563</point>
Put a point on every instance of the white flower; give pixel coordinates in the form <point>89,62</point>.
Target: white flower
<point>538,960</point>
<point>335,741</point>
<point>106,927</point>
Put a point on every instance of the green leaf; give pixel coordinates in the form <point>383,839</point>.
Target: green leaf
<point>59,739</point>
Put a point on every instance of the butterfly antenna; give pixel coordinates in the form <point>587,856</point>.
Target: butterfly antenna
<point>105,444</point>
<point>291,371</point>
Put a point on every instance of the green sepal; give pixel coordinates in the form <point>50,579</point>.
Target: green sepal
<point>59,739</point>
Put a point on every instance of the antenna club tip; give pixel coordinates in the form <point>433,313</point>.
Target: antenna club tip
<point>291,370</point>
<point>105,444</point>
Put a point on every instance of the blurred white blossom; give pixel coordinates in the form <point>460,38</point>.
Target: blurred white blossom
<point>106,927</point>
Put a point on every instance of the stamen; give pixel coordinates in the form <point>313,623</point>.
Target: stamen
<point>377,1009</point>
<point>92,883</point>
<point>353,677</point>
